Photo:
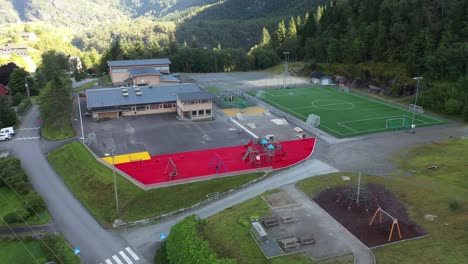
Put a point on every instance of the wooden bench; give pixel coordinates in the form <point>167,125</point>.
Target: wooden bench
<point>305,240</point>
<point>287,219</point>
<point>270,221</point>
<point>289,242</point>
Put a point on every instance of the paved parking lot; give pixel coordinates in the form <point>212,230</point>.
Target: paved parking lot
<point>163,133</point>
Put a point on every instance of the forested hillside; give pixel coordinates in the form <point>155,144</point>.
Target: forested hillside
<point>408,38</point>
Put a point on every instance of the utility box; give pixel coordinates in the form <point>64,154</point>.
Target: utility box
<point>259,232</point>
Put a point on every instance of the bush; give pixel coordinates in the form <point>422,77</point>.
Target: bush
<point>186,245</point>
<point>58,250</point>
<point>23,106</point>
<point>453,205</point>
<point>161,255</point>
<point>16,217</point>
<point>36,204</point>
<point>17,99</point>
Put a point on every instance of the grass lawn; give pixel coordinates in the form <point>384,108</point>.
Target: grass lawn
<point>230,239</point>
<point>53,134</point>
<point>424,192</point>
<point>14,252</point>
<point>92,183</point>
<point>344,114</point>
<point>11,202</point>
<point>104,79</point>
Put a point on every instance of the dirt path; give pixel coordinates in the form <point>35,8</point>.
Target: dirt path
<point>336,236</point>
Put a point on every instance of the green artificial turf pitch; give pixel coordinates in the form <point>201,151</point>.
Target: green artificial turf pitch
<point>345,114</point>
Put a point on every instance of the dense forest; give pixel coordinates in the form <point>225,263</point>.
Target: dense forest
<point>379,42</point>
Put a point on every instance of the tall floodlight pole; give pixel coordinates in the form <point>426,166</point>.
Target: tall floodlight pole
<point>115,183</point>
<point>415,102</point>
<point>81,118</point>
<point>286,54</point>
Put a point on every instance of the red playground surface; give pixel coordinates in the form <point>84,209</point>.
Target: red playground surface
<point>186,166</point>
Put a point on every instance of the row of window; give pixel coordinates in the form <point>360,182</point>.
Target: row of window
<point>196,102</point>
<point>201,112</point>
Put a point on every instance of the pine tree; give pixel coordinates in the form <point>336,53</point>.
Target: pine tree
<point>292,30</point>
<point>266,38</point>
<point>280,33</point>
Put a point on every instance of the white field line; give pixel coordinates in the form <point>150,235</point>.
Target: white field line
<point>343,103</point>
<point>287,109</point>
<point>392,106</point>
<point>348,127</point>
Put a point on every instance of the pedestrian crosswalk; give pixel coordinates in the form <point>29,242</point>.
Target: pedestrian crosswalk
<point>124,258</point>
<point>26,138</point>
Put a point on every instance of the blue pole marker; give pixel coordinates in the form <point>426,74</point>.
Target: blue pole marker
<point>76,251</point>
<point>162,236</point>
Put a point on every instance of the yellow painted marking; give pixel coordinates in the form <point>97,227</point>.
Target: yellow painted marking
<point>124,158</point>
<point>253,110</point>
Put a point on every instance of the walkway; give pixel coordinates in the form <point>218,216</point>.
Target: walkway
<point>334,235</point>
<point>146,239</point>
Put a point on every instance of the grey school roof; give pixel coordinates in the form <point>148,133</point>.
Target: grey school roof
<point>122,63</point>
<point>192,96</point>
<point>112,97</point>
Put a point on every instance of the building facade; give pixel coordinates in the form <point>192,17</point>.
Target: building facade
<point>186,99</point>
<point>18,49</point>
<point>119,71</point>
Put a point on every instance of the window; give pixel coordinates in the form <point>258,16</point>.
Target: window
<point>208,111</point>
<point>201,112</point>
<point>194,113</point>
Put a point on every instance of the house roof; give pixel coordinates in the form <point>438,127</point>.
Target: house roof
<point>318,75</point>
<point>112,97</point>
<point>13,46</point>
<point>4,90</point>
<point>191,96</point>
<point>122,63</point>
<point>143,71</point>
<point>168,78</point>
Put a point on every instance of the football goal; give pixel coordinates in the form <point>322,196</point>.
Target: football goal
<point>260,94</point>
<point>313,120</point>
<point>398,123</point>
<point>344,89</point>
<point>415,109</point>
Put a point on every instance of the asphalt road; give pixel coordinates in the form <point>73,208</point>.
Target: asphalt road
<point>70,217</point>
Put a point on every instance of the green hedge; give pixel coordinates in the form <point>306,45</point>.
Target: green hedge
<point>186,245</point>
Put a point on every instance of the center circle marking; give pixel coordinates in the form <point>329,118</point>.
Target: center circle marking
<point>330,104</point>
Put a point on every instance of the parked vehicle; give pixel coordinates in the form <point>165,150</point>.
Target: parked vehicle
<point>8,130</point>
<point>5,137</point>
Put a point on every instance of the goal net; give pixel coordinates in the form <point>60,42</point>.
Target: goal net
<point>344,89</point>
<point>313,120</point>
<point>398,123</point>
<point>415,109</point>
<point>260,94</point>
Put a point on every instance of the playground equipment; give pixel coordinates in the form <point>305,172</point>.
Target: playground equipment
<point>379,211</point>
<point>263,152</point>
<point>218,162</point>
<point>174,172</point>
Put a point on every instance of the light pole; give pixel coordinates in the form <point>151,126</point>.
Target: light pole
<point>415,103</point>
<point>286,54</point>
<point>26,84</point>
<point>115,183</point>
<point>81,118</point>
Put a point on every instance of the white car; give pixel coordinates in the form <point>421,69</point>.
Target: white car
<point>5,137</point>
<point>8,130</point>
